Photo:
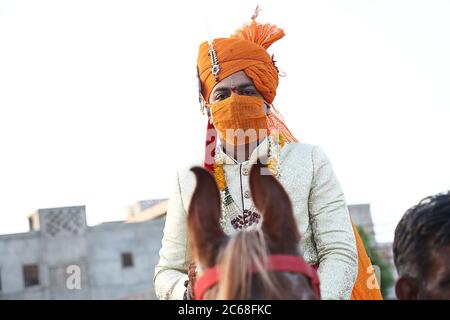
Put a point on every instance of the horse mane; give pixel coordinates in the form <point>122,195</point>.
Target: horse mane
<point>246,249</point>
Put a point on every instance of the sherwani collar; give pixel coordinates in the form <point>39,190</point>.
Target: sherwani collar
<point>262,150</point>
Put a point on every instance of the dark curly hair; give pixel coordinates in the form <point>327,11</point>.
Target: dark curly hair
<point>423,229</point>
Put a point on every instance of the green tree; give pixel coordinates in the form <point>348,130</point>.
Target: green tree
<point>386,277</point>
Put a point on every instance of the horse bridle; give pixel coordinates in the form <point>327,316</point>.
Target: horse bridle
<point>274,262</point>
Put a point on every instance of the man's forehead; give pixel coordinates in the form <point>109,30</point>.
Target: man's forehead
<point>234,85</point>
<point>238,79</point>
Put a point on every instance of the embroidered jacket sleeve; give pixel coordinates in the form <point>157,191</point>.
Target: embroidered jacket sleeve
<point>332,231</point>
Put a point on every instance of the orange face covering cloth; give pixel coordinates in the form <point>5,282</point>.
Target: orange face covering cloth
<point>240,119</point>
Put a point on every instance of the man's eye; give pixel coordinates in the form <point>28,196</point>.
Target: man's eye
<point>248,92</point>
<point>221,96</point>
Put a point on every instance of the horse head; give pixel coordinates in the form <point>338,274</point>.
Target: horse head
<point>261,263</point>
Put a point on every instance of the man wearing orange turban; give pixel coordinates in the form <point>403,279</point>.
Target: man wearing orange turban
<point>238,81</point>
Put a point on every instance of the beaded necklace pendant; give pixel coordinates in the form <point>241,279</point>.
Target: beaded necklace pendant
<point>232,215</point>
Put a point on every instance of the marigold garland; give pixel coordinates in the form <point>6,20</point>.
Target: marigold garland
<point>219,175</point>
<point>276,141</point>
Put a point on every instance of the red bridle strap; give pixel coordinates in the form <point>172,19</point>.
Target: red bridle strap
<point>275,262</point>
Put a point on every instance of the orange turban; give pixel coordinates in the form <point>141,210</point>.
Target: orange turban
<point>243,51</point>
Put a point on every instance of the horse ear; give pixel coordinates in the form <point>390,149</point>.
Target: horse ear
<point>270,198</point>
<point>204,214</point>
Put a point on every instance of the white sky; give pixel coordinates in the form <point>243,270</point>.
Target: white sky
<point>98,99</point>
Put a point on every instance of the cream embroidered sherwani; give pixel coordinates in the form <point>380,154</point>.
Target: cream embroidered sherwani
<point>319,208</point>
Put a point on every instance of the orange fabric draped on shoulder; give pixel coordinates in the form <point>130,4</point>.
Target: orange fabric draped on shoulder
<point>361,290</point>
